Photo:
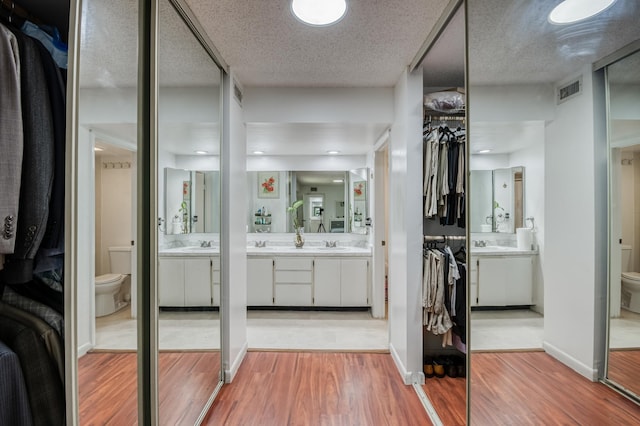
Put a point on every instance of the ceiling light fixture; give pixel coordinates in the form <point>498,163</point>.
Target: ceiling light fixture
<point>572,11</point>
<point>98,149</point>
<point>338,181</point>
<point>258,152</point>
<point>333,152</point>
<point>319,13</point>
<point>201,152</point>
<point>484,151</point>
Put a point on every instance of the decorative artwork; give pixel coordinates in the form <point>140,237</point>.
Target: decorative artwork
<point>268,185</point>
<point>359,190</point>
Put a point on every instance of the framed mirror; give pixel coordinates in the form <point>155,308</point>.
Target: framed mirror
<point>334,201</point>
<point>497,204</point>
<point>188,196</point>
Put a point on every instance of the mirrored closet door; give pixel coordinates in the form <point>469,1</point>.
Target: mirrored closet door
<point>105,185</point>
<point>623,97</point>
<point>188,273</point>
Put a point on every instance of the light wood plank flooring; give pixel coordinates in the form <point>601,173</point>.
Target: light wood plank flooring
<point>532,388</point>
<point>317,388</point>
<point>108,387</point>
<point>623,369</point>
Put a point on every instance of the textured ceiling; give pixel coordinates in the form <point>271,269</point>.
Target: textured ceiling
<point>267,46</point>
<point>511,41</point>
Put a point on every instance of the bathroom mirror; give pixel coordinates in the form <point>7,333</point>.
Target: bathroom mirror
<point>497,203</point>
<point>188,196</point>
<point>334,201</point>
<point>623,83</point>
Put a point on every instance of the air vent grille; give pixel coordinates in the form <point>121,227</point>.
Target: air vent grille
<point>237,93</point>
<point>569,90</point>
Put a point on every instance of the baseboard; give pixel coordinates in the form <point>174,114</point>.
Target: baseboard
<point>83,349</point>
<point>408,377</point>
<point>230,373</point>
<point>580,368</point>
<point>428,407</point>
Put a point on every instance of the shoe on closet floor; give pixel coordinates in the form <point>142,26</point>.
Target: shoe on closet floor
<point>428,367</point>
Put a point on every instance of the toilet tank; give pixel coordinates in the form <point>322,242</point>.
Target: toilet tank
<point>120,260</point>
<point>626,258</point>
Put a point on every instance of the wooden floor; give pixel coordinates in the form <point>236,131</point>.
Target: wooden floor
<point>532,388</point>
<point>107,385</point>
<point>310,388</point>
<point>317,388</point>
<point>624,369</point>
<point>448,397</point>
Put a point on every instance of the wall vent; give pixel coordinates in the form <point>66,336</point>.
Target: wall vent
<point>237,92</point>
<point>569,90</point>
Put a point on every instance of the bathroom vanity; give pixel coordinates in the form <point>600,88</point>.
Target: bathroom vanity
<point>501,276</point>
<point>312,276</point>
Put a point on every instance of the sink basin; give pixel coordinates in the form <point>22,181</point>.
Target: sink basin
<point>328,248</point>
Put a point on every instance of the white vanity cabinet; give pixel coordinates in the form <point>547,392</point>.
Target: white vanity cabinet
<point>504,280</point>
<point>293,280</point>
<point>185,281</point>
<point>341,282</point>
<point>260,281</point>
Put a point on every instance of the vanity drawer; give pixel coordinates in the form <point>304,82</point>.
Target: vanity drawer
<point>294,264</point>
<point>293,295</point>
<point>293,277</point>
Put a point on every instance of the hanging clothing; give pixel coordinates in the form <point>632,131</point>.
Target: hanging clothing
<point>37,163</point>
<point>11,138</point>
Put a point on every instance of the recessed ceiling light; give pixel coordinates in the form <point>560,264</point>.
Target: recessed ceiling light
<point>258,152</point>
<point>572,11</point>
<point>319,13</point>
<point>202,152</point>
<point>333,152</point>
<point>98,149</point>
<point>338,181</point>
<point>484,151</point>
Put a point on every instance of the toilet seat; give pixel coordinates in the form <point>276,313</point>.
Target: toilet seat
<point>631,276</point>
<point>108,279</point>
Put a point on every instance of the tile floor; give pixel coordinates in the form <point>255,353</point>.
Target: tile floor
<point>312,330</point>
<point>328,330</point>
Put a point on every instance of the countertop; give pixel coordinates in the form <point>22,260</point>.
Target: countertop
<point>500,251</point>
<point>316,251</point>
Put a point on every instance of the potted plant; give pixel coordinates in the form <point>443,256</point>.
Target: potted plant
<point>293,209</point>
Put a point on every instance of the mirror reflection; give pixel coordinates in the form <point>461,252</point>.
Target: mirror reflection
<point>333,201</point>
<point>497,204</point>
<point>623,80</point>
<point>189,206</point>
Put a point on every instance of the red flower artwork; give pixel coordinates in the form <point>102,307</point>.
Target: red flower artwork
<point>267,185</point>
<point>358,189</point>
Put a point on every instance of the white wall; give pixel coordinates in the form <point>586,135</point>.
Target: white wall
<point>570,220</point>
<point>310,163</point>
<point>532,159</point>
<point>405,228</point>
<point>318,105</point>
<point>85,243</point>
<point>233,234</point>
<point>113,220</point>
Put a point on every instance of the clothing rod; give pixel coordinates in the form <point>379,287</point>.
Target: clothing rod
<point>19,11</point>
<point>444,238</point>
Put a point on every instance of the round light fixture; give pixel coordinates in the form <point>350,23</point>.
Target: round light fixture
<point>333,152</point>
<point>572,11</point>
<point>258,152</point>
<point>201,152</point>
<point>319,13</point>
<point>338,181</point>
<point>484,151</point>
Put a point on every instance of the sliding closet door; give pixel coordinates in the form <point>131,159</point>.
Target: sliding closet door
<point>188,182</point>
<point>102,158</point>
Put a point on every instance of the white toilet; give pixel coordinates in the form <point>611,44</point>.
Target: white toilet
<point>108,295</point>
<point>630,299</point>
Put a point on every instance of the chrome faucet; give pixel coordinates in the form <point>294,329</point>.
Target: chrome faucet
<point>205,243</point>
<point>479,243</point>
<point>261,243</point>
<point>328,243</point>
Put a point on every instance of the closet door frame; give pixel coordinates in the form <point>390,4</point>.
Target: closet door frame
<point>147,241</point>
